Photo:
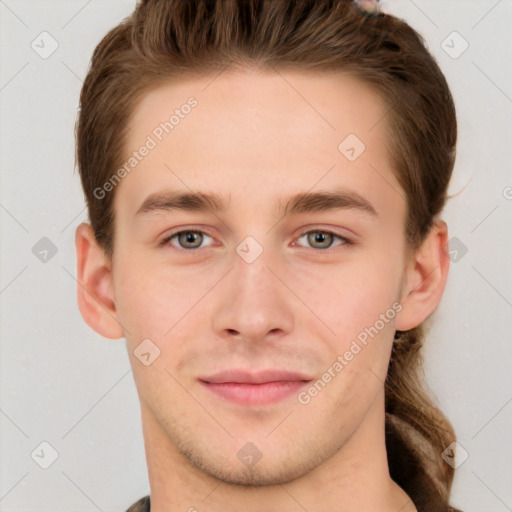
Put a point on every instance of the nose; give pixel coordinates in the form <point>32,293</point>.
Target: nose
<point>254,303</point>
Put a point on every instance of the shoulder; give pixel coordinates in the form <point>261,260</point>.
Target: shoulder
<point>140,506</point>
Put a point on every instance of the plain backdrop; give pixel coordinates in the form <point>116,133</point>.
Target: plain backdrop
<point>68,393</point>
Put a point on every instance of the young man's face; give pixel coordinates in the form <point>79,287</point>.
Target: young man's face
<point>257,289</point>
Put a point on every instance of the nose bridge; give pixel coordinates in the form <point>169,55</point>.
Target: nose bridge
<point>254,302</point>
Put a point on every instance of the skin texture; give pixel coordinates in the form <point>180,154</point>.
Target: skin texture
<point>256,138</point>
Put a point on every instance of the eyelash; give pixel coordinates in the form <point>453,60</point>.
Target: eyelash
<point>346,241</point>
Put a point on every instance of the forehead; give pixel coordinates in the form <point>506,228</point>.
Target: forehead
<point>259,134</point>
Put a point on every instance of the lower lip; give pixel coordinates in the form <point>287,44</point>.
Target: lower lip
<point>255,394</point>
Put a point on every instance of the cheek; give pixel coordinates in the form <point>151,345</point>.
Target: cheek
<point>351,295</point>
<point>155,301</point>
<point>144,303</point>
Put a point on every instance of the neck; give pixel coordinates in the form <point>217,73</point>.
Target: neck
<point>355,478</point>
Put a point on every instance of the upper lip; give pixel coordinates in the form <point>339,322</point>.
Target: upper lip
<point>255,377</point>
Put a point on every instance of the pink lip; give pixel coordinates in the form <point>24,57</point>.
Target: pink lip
<point>261,388</point>
<point>255,394</point>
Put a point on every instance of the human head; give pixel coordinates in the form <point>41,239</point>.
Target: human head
<point>167,40</point>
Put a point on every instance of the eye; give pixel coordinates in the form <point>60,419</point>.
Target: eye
<point>187,239</point>
<point>321,239</point>
<point>192,239</point>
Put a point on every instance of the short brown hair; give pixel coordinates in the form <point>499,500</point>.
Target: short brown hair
<point>163,39</point>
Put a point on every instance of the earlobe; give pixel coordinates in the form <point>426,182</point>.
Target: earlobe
<point>95,290</point>
<point>426,276</point>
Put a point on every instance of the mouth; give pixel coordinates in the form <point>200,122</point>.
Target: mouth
<point>262,388</point>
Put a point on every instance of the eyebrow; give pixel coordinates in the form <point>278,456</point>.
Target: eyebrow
<point>303,202</point>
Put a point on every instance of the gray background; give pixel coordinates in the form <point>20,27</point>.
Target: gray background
<point>63,384</point>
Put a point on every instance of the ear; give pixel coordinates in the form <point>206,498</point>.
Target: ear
<point>425,278</point>
<point>95,290</point>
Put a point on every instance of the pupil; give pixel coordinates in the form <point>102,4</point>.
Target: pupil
<point>321,237</point>
<point>190,237</point>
